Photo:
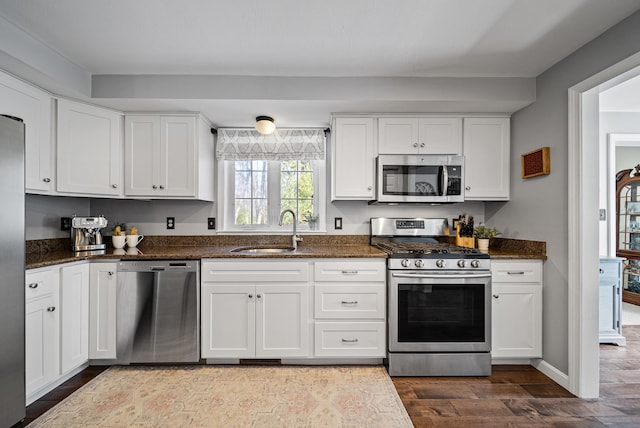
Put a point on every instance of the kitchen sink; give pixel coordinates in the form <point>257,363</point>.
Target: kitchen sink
<point>263,250</point>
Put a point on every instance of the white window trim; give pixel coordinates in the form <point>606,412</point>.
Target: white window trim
<point>226,198</point>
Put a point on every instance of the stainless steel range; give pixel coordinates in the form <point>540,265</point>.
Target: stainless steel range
<point>439,300</point>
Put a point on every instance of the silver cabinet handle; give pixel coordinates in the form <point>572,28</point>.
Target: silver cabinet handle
<point>250,296</point>
<point>601,271</point>
<point>349,302</point>
<point>515,273</point>
<point>421,144</point>
<point>259,296</point>
<point>33,285</point>
<point>496,296</point>
<point>115,186</point>
<point>467,188</point>
<point>46,180</point>
<point>110,273</point>
<point>349,272</point>
<point>369,187</point>
<point>154,186</point>
<point>350,340</point>
<point>51,308</point>
<point>415,144</point>
<point>161,186</point>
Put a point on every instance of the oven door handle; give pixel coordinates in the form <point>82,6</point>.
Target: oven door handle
<point>441,275</point>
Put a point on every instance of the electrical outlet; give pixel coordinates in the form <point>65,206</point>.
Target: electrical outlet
<point>171,222</point>
<point>211,223</point>
<point>65,223</point>
<point>337,223</point>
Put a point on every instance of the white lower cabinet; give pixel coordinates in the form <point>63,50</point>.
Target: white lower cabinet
<point>516,317</point>
<point>42,329</point>
<point>350,308</point>
<point>255,309</point>
<point>610,305</point>
<point>102,310</point>
<point>74,316</point>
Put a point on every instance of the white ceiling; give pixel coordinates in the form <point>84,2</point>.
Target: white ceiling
<point>322,38</point>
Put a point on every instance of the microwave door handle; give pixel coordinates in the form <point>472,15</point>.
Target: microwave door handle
<point>445,179</point>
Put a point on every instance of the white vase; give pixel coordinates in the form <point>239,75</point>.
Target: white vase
<point>483,245</point>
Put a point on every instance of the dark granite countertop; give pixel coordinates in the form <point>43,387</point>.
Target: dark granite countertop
<point>42,253</point>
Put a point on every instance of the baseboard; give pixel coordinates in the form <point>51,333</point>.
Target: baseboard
<point>36,395</point>
<point>550,371</point>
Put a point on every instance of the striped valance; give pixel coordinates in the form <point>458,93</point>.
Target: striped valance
<point>283,144</point>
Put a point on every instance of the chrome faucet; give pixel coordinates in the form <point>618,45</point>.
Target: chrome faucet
<point>294,237</point>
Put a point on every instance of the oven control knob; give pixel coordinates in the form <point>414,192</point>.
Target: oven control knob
<point>440,263</point>
<point>461,263</point>
<point>475,263</point>
<point>405,263</point>
<point>419,263</point>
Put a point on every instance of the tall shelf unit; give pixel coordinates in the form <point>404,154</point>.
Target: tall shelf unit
<point>628,231</point>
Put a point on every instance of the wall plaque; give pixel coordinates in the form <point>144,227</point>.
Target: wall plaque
<point>535,163</point>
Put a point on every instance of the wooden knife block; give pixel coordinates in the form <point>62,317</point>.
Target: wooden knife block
<point>464,241</point>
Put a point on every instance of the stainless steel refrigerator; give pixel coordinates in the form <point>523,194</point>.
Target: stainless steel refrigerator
<point>12,264</point>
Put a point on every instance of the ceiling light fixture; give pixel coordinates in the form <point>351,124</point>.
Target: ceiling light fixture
<point>265,125</point>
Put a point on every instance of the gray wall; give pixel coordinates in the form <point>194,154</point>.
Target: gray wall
<point>42,214</point>
<point>538,207</point>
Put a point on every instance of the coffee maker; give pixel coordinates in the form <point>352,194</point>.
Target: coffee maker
<point>86,235</point>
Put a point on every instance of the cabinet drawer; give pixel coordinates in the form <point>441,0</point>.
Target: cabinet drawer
<point>609,270</point>
<point>349,301</point>
<point>245,270</point>
<point>516,271</point>
<point>363,339</point>
<point>38,284</point>
<point>352,271</point>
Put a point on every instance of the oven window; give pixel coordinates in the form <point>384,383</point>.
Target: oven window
<point>441,313</point>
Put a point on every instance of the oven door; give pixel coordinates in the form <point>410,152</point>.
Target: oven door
<point>439,312</point>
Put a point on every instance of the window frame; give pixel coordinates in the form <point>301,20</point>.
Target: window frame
<point>226,192</point>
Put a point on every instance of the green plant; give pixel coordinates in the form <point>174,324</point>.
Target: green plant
<point>310,218</point>
<point>483,232</point>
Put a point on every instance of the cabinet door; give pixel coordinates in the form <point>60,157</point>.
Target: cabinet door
<point>608,306</point>
<point>177,156</point>
<point>353,159</point>
<point>440,135</point>
<point>398,135</point>
<point>282,320</point>
<point>74,305</point>
<point>516,321</point>
<point>102,310</point>
<point>34,107</point>
<point>89,149</point>
<point>486,148</point>
<point>142,155</point>
<point>228,320</point>
<point>41,342</point>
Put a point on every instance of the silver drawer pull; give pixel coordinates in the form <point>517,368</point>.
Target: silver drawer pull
<point>516,273</point>
<point>496,296</point>
<point>51,308</point>
<point>349,302</point>
<point>46,180</point>
<point>601,271</point>
<point>33,285</point>
<point>350,340</point>
<point>349,272</point>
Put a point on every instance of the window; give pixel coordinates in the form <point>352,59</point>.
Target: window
<point>262,175</point>
<point>257,191</point>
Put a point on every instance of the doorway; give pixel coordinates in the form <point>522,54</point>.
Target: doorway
<point>583,243</point>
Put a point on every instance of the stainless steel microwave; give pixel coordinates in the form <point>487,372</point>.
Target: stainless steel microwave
<point>419,179</point>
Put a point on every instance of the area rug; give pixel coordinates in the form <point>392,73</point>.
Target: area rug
<point>233,396</point>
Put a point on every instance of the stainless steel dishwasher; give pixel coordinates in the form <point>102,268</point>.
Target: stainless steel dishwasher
<point>158,312</point>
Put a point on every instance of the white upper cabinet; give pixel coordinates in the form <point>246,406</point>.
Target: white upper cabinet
<point>89,150</point>
<point>34,107</point>
<point>353,159</point>
<point>486,157</point>
<point>420,135</point>
<point>168,157</point>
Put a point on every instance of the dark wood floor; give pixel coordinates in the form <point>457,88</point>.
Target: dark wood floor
<point>513,396</point>
<point>520,396</point>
